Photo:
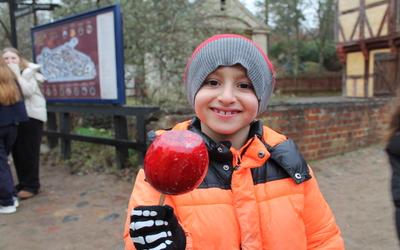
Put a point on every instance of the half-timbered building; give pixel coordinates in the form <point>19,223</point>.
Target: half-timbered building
<point>367,39</point>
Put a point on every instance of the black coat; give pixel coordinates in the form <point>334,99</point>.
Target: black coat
<point>393,151</point>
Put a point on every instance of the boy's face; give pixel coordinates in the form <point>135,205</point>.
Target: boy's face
<point>11,58</point>
<point>226,102</point>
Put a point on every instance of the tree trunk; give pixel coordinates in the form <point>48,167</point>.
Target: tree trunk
<point>321,55</point>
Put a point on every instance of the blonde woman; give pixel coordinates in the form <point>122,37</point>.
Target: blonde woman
<point>393,151</point>
<point>12,112</point>
<point>26,150</point>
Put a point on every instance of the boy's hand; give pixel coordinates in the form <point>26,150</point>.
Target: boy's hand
<point>156,228</point>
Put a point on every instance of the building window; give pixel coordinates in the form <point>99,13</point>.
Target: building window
<point>223,4</point>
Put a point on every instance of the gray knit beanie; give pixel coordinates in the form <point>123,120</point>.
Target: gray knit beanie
<point>228,50</point>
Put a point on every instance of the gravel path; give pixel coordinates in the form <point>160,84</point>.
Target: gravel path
<point>357,187</point>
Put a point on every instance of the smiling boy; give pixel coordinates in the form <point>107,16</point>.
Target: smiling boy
<point>259,192</point>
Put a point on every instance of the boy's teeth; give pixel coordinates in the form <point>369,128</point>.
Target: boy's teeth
<point>224,113</point>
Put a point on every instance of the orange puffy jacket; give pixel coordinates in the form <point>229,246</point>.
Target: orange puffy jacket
<point>263,196</point>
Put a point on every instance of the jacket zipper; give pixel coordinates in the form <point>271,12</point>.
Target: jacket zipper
<point>238,160</point>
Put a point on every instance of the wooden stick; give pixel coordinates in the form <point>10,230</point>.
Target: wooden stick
<point>161,200</point>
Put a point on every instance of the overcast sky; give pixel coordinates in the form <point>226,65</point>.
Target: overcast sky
<point>309,12</point>
<point>249,4</point>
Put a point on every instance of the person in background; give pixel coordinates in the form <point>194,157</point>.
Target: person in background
<point>26,150</point>
<point>259,192</point>
<point>393,151</point>
<point>12,112</point>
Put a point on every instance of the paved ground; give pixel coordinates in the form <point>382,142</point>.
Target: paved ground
<point>88,212</point>
<point>357,187</point>
<point>72,212</point>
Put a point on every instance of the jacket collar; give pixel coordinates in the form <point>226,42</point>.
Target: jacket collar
<point>220,151</point>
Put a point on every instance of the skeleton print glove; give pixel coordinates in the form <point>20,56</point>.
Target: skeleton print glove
<point>156,228</point>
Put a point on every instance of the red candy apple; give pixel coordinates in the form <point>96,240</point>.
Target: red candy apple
<point>176,162</point>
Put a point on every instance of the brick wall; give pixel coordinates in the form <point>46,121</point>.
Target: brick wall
<point>320,129</point>
<point>326,129</point>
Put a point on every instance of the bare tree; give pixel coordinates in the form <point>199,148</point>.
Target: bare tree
<point>325,19</point>
<point>23,25</point>
<point>285,17</point>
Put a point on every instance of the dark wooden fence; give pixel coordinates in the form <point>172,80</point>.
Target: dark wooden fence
<point>310,85</point>
<point>119,114</point>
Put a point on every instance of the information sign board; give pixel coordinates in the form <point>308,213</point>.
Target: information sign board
<point>82,57</point>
